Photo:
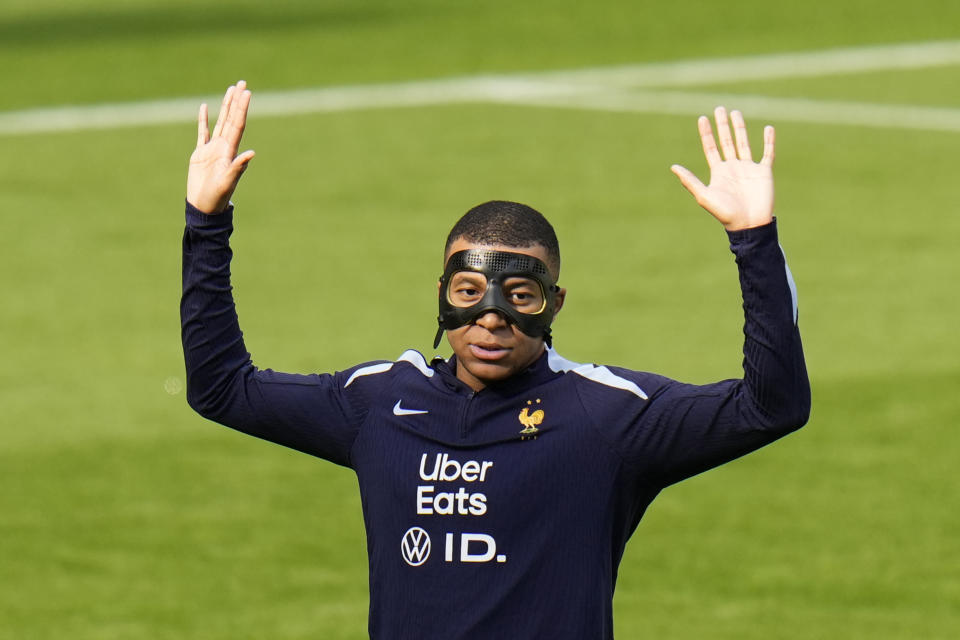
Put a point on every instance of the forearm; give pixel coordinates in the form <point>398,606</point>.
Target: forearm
<point>304,412</point>
<point>686,429</point>
<point>774,371</point>
<point>213,347</point>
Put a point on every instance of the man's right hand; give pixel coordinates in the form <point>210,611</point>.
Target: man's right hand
<point>215,167</point>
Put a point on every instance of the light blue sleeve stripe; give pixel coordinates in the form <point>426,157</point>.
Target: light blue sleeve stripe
<point>409,356</point>
<point>416,359</point>
<point>367,371</point>
<point>601,375</point>
<point>792,285</point>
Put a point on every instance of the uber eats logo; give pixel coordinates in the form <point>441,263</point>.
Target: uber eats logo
<point>437,499</point>
<point>443,469</point>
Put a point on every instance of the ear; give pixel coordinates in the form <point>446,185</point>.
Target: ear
<point>559,300</point>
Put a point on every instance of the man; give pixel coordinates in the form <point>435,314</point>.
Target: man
<point>499,487</point>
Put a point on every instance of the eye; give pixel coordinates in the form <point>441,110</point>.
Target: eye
<point>524,295</point>
<point>466,289</point>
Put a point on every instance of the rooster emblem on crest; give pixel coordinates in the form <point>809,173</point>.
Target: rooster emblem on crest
<point>530,420</point>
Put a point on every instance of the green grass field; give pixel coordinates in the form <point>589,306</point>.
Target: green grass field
<point>125,515</point>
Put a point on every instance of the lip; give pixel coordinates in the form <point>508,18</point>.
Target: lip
<point>488,352</point>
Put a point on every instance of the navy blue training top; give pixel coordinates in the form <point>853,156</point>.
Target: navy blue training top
<point>501,513</point>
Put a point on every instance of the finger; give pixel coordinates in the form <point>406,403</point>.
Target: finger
<point>740,133</point>
<point>224,110</point>
<point>203,129</point>
<point>769,137</point>
<point>237,120</point>
<point>706,139</point>
<point>689,181</point>
<point>723,134</point>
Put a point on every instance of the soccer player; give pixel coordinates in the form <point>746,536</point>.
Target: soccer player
<point>500,486</point>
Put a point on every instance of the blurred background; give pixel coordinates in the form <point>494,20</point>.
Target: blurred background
<point>376,125</point>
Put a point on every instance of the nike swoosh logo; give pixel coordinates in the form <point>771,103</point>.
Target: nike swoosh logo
<point>400,411</point>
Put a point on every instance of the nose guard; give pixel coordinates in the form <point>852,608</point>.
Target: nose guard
<point>497,266</point>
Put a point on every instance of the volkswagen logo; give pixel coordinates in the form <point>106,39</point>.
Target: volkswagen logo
<point>415,546</point>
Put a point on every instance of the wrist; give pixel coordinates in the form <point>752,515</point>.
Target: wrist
<point>207,207</point>
<point>198,218</point>
<point>748,223</point>
<point>751,235</point>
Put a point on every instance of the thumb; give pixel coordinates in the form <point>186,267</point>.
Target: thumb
<point>240,163</point>
<point>689,181</point>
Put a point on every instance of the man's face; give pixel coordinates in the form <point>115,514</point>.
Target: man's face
<point>491,348</point>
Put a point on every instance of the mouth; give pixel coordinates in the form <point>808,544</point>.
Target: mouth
<point>488,351</point>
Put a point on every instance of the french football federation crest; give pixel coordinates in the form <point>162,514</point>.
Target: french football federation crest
<point>530,421</point>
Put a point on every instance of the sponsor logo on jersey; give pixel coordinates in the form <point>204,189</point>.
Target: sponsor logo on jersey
<point>415,546</point>
<point>443,497</point>
<point>530,421</point>
<point>433,500</point>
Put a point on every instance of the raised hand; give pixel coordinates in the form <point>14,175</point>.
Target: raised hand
<point>740,193</point>
<point>215,167</point>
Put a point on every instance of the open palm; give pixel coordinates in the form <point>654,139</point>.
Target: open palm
<point>740,193</point>
<point>215,167</point>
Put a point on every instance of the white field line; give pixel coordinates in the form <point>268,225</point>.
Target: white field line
<point>476,89</point>
<point>597,88</point>
<point>763,107</point>
<point>769,66</point>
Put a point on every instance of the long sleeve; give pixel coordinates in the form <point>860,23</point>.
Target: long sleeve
<point>774,370</point>
<point>681,429</point>
<point>310,413</point>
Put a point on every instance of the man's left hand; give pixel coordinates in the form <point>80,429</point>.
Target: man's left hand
<point>740,193</point>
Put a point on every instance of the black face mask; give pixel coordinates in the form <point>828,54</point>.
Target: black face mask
<point>515,285</point>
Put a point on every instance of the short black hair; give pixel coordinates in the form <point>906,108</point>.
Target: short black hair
<point>510,224</point>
